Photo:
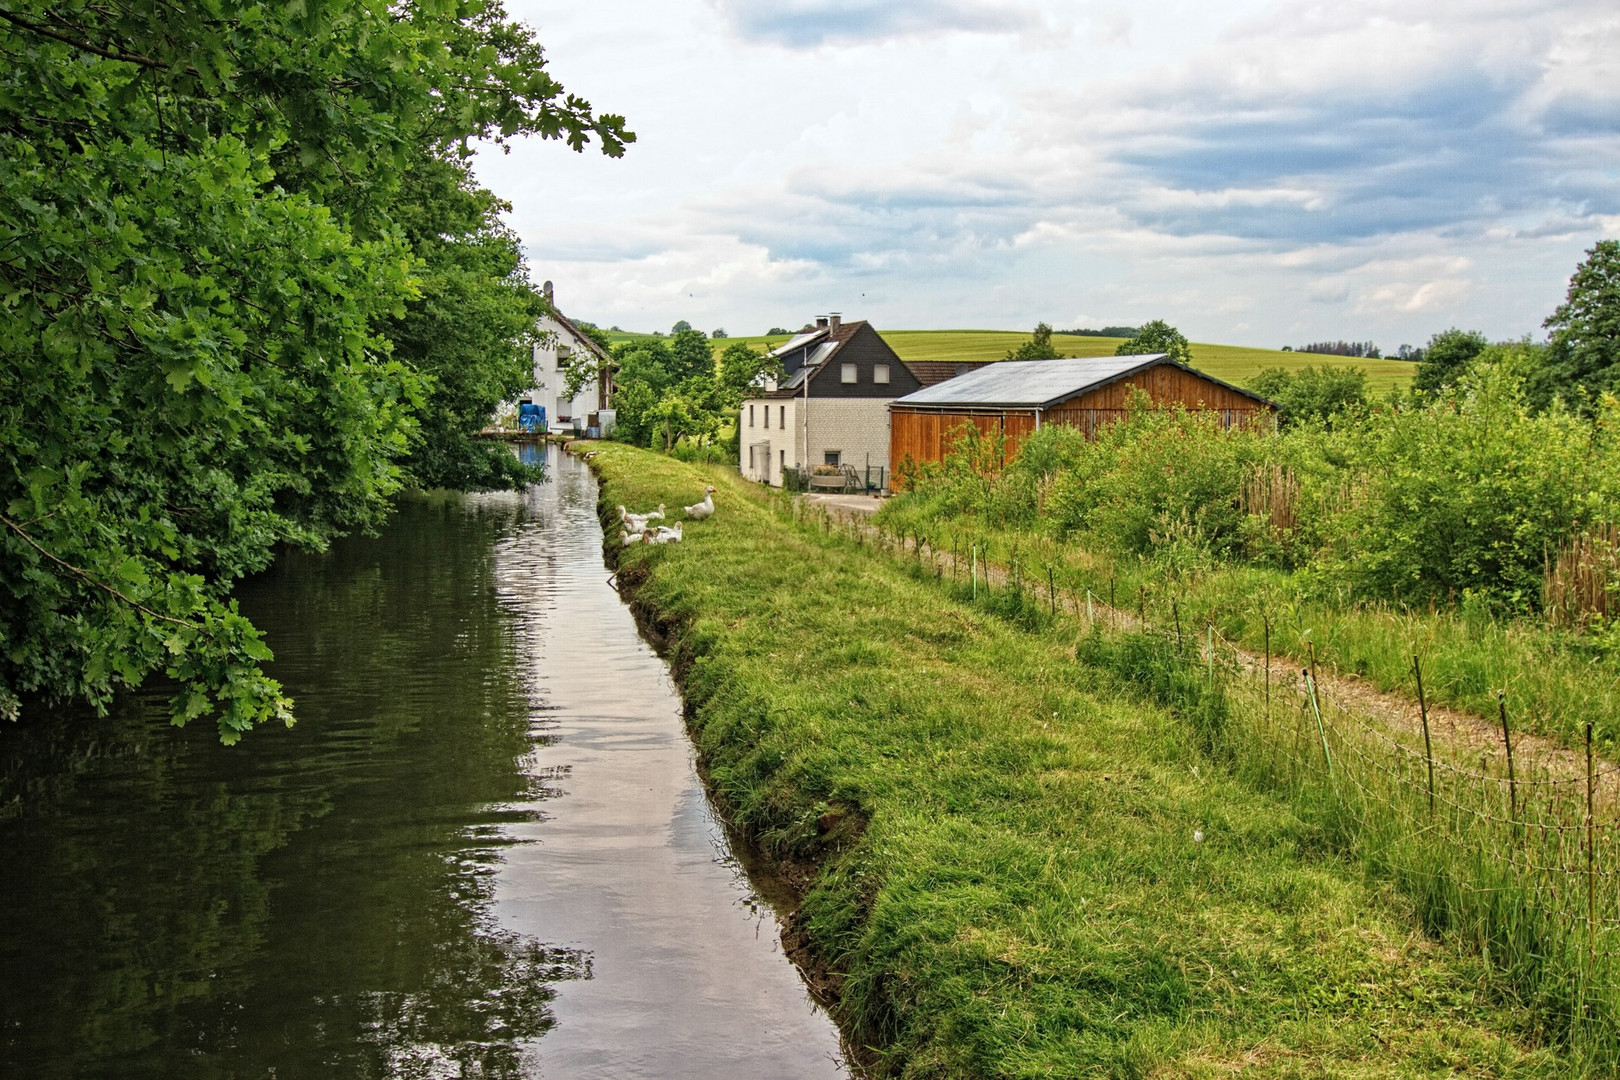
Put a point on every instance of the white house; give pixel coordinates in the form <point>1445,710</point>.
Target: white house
<point>831,407</point>
<point>561,345</point>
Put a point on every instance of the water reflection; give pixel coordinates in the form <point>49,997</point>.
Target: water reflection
<point>316,900</point>
<point>481,853</point>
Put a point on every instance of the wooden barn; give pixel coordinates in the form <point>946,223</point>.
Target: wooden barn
<point>1016,397</point>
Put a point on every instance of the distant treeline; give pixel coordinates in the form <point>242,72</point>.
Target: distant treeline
<point>1107,331</point>
<point>1364,349</point>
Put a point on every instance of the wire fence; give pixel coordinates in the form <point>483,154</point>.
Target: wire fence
<point>1505,840</point>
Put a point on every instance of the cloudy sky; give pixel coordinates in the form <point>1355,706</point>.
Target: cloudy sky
<point>1256,172</point>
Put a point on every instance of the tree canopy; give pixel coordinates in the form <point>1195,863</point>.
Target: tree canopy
<point>242,257</point>
<point>1157,336</point>
<point>1447,357</point>
<point>1583,359</point>
<point>1312,392</point>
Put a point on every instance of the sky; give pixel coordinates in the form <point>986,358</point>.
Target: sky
<point>1256,173</point>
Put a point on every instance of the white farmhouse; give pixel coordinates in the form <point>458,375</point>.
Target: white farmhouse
<point>561,345</point>
<point>831,407</point>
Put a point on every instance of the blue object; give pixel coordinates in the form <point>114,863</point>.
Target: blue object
<point>531,417</point>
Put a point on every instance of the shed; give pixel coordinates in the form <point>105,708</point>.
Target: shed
<point>1013,398</point>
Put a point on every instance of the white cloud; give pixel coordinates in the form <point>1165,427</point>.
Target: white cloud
<point>1357,170</point>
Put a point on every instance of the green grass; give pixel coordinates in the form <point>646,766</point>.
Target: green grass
<point>1234,363</point>
<point>1011,887</point>
<point>1554,685</point>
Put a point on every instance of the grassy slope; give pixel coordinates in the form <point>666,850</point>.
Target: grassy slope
<point>1027,899</point>
<point>1234,363</point>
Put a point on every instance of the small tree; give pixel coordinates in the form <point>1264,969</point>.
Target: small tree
<point>680,327</point>
<point>1157,336</point>
<point>1446,358</point>
<point>1038,347</point>
<point>1313,393</point>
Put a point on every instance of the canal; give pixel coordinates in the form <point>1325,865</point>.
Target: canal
<point>482,851</point>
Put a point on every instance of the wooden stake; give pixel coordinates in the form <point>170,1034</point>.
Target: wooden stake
<point>1507,743</point>
<point>1591,864</point>
<point>1175,613</point>
<point>1051,591</point>
<point>1266,621</point>
<point>1423,710</point>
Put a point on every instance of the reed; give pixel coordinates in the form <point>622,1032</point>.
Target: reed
<point>1583,580</point>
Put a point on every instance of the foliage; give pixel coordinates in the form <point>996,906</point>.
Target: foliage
<point>1157,336</point>
<point>1313,393</point>
<point>206,217</point>
<point>471,330</point>
<point>1038,347</point>
<point>1447,357</point>
<point>1584,356</point>
<point>680,327</point>
<point>1468,494</point>
<point>673,389</point>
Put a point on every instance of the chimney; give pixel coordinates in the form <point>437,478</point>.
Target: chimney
<point>833,319</point>
<point>821,322</point>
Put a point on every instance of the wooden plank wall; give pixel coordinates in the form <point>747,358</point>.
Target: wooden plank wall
<point>923,435</point>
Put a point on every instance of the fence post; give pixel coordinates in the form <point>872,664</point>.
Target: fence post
<point>1051,591</point>
<point>1090,619</point>
<point>1141,607</point>
<point>1423,710</point>
<point>974,570</point>
<point>1266,622</point>
<point>1209,638</point>
<point>1591,866</point>
<point>1111,607</point>
<point>1175,613</point>
<point>1507,743</point>
<point>1316,708</point>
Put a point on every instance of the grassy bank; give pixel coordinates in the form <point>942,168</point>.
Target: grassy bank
<point>1027,867</point>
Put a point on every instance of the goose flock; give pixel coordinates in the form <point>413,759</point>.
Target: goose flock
<point>639,528</point>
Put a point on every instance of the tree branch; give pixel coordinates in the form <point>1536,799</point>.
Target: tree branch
<point>102,585</point>
<point>45,31</point>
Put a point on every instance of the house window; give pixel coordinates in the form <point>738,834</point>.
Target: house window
<point>750,416</point>
<point>750,459</point>
<point>880,374</point>
<point>849,374</point>
<point>767,416</point>
<point>830,457</point>
<point>781,416</point>
<point>781,463</point>
<point>563,353</point>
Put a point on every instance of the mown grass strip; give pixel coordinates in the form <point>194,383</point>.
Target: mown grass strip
<point>1012,883</point>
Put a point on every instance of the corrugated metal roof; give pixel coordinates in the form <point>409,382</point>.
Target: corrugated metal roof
<point>1029,383</point>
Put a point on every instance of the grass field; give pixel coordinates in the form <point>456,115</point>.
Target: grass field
<point>1026,869</point>
<point>1234,363</point>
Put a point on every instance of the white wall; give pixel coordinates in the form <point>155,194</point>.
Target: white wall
<point>858,428</point>
<point>551,379</point>
<point>765,449</point>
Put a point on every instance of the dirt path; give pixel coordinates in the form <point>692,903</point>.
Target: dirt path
<point>1460,736</point>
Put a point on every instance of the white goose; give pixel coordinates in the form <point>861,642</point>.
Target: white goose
<point>699,511</point>
<point>665,536</point>
<point>639,522</point>
<point>627,539</point>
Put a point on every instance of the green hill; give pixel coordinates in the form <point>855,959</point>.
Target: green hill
<point>1234,363</point>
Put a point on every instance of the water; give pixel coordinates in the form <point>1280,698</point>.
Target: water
<point>482,852</point>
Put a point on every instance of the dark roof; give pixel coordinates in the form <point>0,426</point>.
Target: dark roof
<point>1041,384</point>
<point>932,372</point>
<point>580,335</point>
<point>825,341</point>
